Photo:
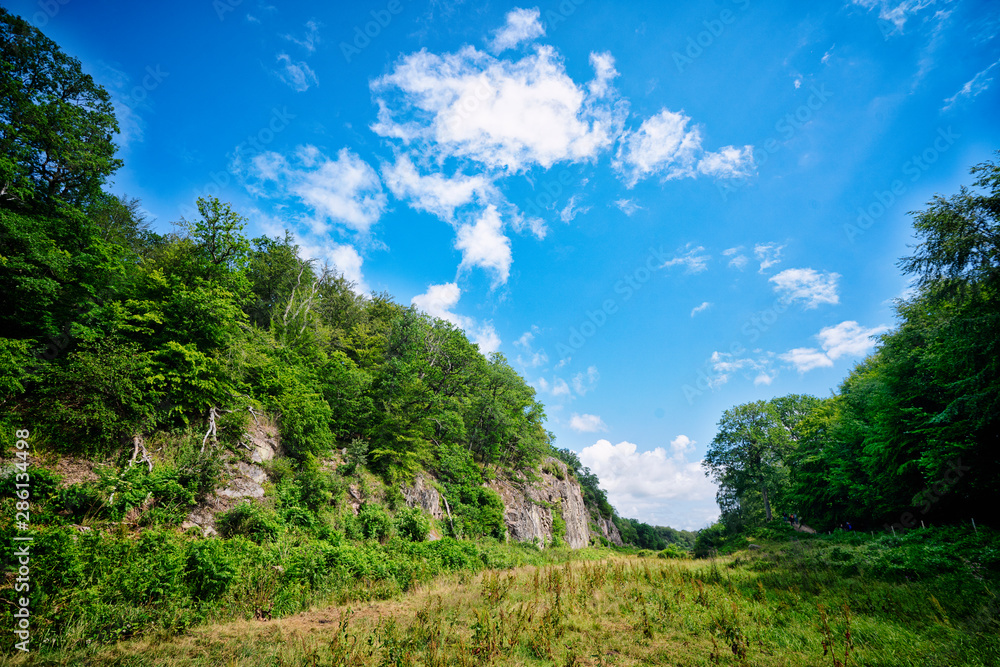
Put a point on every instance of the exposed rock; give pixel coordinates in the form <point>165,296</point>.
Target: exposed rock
<point>609,530</point>
<point>245,481</point>
<point>262,439</point>
<point>423,495</point>
<point>530,507</point>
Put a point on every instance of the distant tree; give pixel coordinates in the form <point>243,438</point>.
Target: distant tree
<point>56,124</point>
<point>747,455</point>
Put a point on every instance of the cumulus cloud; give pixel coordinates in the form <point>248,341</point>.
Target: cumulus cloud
<point>484,245</point>
<point>435,193</point>
<point>587,423</point>
<point>682,444</point>
<point>669,146</point>
<point>768,254</point>
<point>506,115</point>
<point>728,162</point>
<point>847,339</point>
<point>344,258</point>
<point>663,144</point>
<point>344,190</point>
<point>705,305</point>
<point>296,75</point>
<point>657,486</point>
<point>439,301</point>
<point>522,26</point>
<point>807,285</point>
<point>691,259</point>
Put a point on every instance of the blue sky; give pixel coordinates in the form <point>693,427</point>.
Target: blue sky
<point>655,212</point>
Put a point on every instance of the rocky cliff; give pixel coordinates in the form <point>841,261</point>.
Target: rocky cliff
<point>532,508</point>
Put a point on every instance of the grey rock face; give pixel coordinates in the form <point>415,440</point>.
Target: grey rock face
<point>609,530</point>
<point>423,495</point>
<point>530,507</point>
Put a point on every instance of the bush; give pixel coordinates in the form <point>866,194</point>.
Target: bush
<point>250,520</point>
<point>210,569</point>
<point>672,551</point>
<point>413,524</point>
<point>375,522</point>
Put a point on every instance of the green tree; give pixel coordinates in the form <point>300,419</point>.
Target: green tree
<point>747,454</point>
<point>56,124</point>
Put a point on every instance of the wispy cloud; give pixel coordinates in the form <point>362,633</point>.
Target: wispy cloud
<point>522,26</point>
<point>705,305</point>
<point>297,75</point>
<point>693,260</point>
<point>978,84</point>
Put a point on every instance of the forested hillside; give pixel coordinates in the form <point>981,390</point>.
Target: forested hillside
<point>910,436</point>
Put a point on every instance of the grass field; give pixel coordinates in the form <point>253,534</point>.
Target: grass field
<point>821,601</point>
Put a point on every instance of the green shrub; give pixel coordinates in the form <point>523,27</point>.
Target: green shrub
<point>375,521</point>
<point>210,569</point>
<point>413,524</point>
<point>250,520</point>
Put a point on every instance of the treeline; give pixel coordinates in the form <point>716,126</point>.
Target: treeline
<point>910,436</point>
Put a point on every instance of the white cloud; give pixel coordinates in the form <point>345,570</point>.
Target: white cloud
<point>972,88</point>
<point>560,388</point>
<point>308,42</point>
<point>663,144</point>
<point>764,379</point>
<point>435,193</point>
<point>728,162</point>
<point>297,75</point>
<point>806,359</point>
<point>484,245</point>
<point>682,444</point>
<point>522,26</point>
<point>533,358</point>
<point>627,206</point>
<point>344,258</point>
<point>506,115</point>
<point>439,300</point>
<point>723,364</point>
<point>584,382</point>
<point>345,190</point>
<point>768,254</point>
<point>587,423</point>
<point>655,486</point>
<point>571,211</point>
<point>705,305</point>
<point>604,72</point>
<point>692,260</point>
<point>845,339</point>
<point>894,11</point>
<point>738,260</point>
<point>807,285</point>
<point>848,338</point>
